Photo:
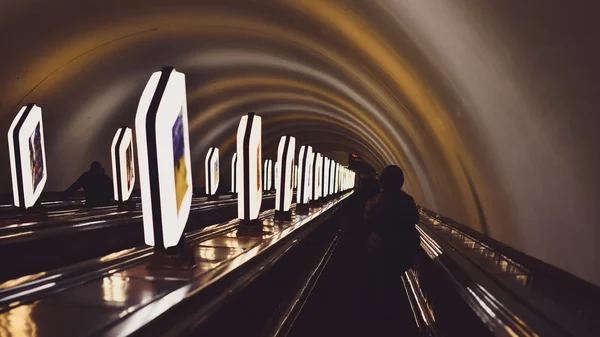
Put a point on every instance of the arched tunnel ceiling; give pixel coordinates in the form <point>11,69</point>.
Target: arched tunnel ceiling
<point>489,106</point>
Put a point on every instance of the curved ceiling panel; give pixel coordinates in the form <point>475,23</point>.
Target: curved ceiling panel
<point>487,105</point>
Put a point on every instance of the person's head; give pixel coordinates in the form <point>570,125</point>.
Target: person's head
<point>392,178</point>
<point>96,167</point>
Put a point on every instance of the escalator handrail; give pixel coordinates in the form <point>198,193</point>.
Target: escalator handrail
<point>45,229</point>
<point>42,284</point>
<point>515,263</point>
<point>473,287</point>
<point>583,291</point>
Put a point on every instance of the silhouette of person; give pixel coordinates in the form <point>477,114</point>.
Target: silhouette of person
<point>367,187</point>
<point>392,244</point>
<point>97,186</point>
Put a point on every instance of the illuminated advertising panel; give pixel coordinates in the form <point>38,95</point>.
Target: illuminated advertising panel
<point>324,177</point>
<point>340,175</point>
<point>164,161</point>
<point>275,169</point>
<point>304,187</point>
<point>317,162</point>
<point>331,177</point>
<point>249,159</point>
<point>27,156</point>
<point>348,179</point>
<point>268,175</point>
<point>234,173</point>
<point>337,177</point>
<point>211,171</point>
<point>122,164</point>
<point>284,181</point>
<point>295,176</point>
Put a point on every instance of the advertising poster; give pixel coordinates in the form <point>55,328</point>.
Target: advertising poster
<point>275,175</point>
<point>36,159</point>
<point>129,168</point>
<point>268,175</point>
<point>284,173</point>
<point>259,177</point>
<point>293,175</point>
<point>211,168</point>
<point>180,168</point>
<point>164,164</point>
<point>215,173</point>
<point>325,181</point>
<point>27,156</point>
<point>295,179</point>
<point>123,169</point>
<point>305,157</point>
<point>234,173</point>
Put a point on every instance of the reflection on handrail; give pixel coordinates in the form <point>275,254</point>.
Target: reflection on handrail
<point>15,235</point>
<point>116,255</point>
<point>29,291</point>
<point>429,245</point>
<point>21,280</point>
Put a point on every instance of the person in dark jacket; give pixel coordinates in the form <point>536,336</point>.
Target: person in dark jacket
<point>392,245</point>
<point>97,186</point>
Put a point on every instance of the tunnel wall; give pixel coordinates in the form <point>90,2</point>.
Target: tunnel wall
<point>489,106</point>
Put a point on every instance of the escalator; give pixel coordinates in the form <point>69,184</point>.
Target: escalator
<point>239,275</point>
<point>332,303</point>
<point>303,278</point>
<point>30,248</point>
<point>462,283</point>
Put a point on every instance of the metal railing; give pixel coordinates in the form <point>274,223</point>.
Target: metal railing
<point>513,294</point>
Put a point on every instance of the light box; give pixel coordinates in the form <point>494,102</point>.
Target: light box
<point>234,173</point>
<point>326,163</point>
<point>284,175</point>
<point>341,180</point>
<point>317,162</point>
<point>27,156</point>
<point>305,157</point>
<point>275,169</point>
<point>249,159</point>
<point>163,146</point>
<point>337,177</point>
<point>349,180</point>
<point>268,175</point>
<point>211,171</point>
<point>123,169</point>
<point>331,177</point>
<point>295,176</point>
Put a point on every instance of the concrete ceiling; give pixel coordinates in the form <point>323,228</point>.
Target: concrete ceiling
<point>489,106</point>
